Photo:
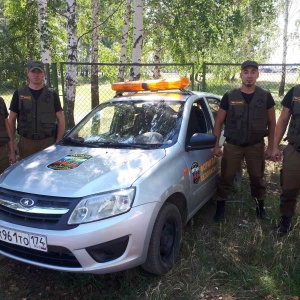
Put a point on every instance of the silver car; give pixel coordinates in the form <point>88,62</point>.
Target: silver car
<point>115,192</point>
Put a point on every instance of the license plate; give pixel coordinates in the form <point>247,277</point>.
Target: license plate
<point>24,239</point>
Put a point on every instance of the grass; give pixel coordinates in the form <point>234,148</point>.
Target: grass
<point>236,259</point>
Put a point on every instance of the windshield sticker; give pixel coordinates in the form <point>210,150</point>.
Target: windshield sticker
<point>69,162</point>
<point>195,172</point>
<point>208,168</point>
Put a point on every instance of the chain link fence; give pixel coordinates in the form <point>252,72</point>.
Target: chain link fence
<point>215,78</point>
<point>220,78</point>
<point>108,74</point>
<point>11,78</point>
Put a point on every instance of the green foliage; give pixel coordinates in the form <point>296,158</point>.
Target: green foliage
<point>214,31</point>
<point>20,35</point>
<point>110,24</point>
<point>21,41</point>
<point>183,30</point>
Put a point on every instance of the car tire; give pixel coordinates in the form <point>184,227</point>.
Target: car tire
<point>165,241</point>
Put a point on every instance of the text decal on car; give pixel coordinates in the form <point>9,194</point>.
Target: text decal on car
<point>208,168</point>
<point>69,162</point>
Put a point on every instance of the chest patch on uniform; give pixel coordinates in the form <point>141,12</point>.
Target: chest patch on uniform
<point>69,162</point>
<point>237,102</point>
<point>23,97</point>
<point>297,99</point>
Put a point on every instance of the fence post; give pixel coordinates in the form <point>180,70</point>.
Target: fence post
<point>203,77</point>
<point>54,76</point>
<point>193,76</point>
<point>63,87</point>
<point>48,80</point>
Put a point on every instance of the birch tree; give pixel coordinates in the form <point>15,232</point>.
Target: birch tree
<point>137,39</point>
<point>154,23</point>
<point>156,61</point>
<point>72,58</point>
<point>44,34</point>
<point>284,48</point>
<point>123,56</point>
<point>290,10</point>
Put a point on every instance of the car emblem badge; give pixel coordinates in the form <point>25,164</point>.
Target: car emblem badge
<point>27,202</point>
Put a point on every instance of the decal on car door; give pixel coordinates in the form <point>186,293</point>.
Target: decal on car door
<point>208,168</point>
<point>195,172</point>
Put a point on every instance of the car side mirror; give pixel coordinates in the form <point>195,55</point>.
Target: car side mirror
<point>201,141</point>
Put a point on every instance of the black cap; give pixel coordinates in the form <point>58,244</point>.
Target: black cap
<point>35,64</point>
<point>249,63</point>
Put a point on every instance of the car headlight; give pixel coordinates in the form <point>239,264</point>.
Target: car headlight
<point>101,206</point>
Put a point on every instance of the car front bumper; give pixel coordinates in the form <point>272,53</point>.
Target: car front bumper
<point>100,247</point>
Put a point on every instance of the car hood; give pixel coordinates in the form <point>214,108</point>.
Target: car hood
<point>75,171</point>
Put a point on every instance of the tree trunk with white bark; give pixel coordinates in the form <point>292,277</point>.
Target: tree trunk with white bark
<point>72,58</point>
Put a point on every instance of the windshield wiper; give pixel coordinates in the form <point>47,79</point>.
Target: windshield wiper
<point>82,143</point>
<point>73,141</point>
<point>120,145</point>
<point>78,142</point>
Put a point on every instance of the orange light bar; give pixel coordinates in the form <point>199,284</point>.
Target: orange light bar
<point>151,85</point>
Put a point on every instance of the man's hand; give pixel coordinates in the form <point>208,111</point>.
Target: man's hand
<point>17,151</point>
<point>12,158</point>
<point>268,153</point>
<point>217,151</point>
<point>276,154</point>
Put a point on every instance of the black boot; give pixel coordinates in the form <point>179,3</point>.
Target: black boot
<point>261,211</point>
<point>219,215</point>
<point>284,226</point>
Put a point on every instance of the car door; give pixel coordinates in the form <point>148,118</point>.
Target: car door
<point>203,166</point>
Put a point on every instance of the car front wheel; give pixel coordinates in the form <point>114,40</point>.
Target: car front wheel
<point>165,241</point>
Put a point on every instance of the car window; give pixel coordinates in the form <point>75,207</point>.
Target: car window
<point>214,104</point>
<point>199,121</point>
<point>132,122</point>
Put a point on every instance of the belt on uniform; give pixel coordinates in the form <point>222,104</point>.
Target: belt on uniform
<point>37,136</point>
<point>236,143</point>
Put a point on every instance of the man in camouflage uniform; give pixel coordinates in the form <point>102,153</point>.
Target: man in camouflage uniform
<point>38,111</point>
<point>7,153</point>
<point>290,173</point>
<point>249,115</point>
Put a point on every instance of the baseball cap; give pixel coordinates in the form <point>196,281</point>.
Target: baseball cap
<point>35,64</point>
<point>249,63</point>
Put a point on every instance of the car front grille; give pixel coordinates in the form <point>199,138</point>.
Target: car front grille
<point>52,213</point>
<point>56,256</point>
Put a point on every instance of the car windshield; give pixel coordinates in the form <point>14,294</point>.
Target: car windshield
<point>136,124</point>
